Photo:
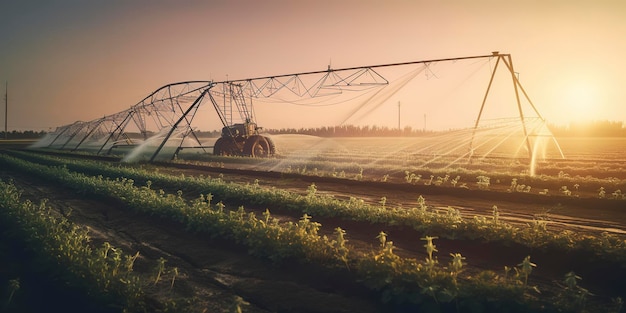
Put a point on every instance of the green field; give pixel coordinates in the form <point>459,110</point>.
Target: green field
<point>367,224</point>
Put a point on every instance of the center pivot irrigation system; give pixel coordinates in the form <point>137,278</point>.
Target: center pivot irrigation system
<point>163,120</point>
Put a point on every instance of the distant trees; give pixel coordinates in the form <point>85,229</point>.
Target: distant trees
<point>28,134</point>
<point>590,129</point>
<point>351,131</point>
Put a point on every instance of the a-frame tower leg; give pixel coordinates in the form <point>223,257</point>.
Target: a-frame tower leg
<point>507,60</point>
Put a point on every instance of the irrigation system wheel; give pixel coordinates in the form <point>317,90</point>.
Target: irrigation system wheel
<point>257,147</point>
<point>226,146</point>
<point>271,145</point>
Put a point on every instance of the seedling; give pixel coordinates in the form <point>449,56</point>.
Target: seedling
<point>601,193</point>
<point>421,202</point>
<point>430,262</point>
<point>573,295</point>
<point>311,190</point>
<point>430,247</point>
<point>455,181</point>
<point>483,182</point>
<point>383,201</point>
<point>359,176</point>
<point>239,301</point>
<point>456,265</point>
<point>495,214</point>
<point>617,194</point>
<point>160,269</point>
<point>513,185</point>
<point>525,268</point>
<point>14,285</point>
<point>175,274</point>
<point>430,182</point>
<point>382,237</point>
<point>342,250</point>
<point>385,178</point>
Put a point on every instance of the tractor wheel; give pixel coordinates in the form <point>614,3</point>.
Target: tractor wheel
<point>257,147</point>
<point>225,146</point>
<point>272,146</point>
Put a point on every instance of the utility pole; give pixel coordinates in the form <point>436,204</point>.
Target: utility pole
<point>6,110</point>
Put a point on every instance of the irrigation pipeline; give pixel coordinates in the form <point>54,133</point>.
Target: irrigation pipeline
<point>494,54</point>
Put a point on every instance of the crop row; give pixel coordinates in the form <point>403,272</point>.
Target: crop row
<point>64,252</point>
<point>105,273</point>
<point>446,223</point>
<point>550,175</point>
<point>428,283</point>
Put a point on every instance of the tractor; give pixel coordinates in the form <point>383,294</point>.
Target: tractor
<point>244,139</point>
<point>238,139</point>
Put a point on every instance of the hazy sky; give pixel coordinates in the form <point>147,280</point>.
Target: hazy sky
<point>80,60</point>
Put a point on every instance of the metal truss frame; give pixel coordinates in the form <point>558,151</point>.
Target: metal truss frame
<point>175,105</point>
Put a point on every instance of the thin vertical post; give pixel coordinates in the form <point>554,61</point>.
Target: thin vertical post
<point>6,111</point>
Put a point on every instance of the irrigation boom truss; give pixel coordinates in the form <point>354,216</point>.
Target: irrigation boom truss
<point>169,111</point>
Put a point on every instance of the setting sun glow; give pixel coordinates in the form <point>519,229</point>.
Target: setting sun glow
<point>88,59</point>
<point>581,102</point>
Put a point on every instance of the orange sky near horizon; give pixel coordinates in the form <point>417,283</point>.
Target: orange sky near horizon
<point>79,60</point>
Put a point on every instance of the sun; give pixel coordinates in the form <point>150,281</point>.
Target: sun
<point>581,102</point>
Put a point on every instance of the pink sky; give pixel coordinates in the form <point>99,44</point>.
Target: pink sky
<point>80,60</point>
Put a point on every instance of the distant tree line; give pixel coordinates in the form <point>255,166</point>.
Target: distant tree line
<point>352,131</point>
<point>590,129</point>
<point>28,134</point>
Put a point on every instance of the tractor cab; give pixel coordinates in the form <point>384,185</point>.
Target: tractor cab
<point>240,130</point>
